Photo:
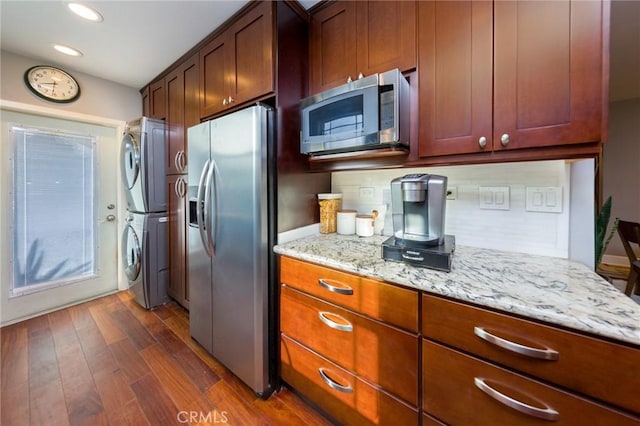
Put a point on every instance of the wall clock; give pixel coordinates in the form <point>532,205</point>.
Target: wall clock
<point>52,84</point>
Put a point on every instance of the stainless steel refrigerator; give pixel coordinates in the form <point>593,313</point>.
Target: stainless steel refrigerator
<point>231,231</point>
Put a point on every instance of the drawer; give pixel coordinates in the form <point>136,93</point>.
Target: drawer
<point>386,302</point>
<point>345,397</point>
<point>584,364</point>
<point>453,386</point>
<point>381,354</point>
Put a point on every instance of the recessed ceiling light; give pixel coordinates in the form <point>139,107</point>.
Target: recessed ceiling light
<point>67,50</point>
<point>85,12</point>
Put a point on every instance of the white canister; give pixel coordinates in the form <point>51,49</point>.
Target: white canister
<point>346,222</point>
<point>364,225</point>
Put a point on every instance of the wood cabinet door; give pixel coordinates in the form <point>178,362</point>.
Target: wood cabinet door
<point>175,120</point>
<point>214,74</point>
<point>183,111</point>
<point>250,55</point>
<point>157,100</point>
<point>332,46</point>
<point>146,107</point>
<point>548,73</point>
<point>176,199</point>
<point>191,81</point>
<point>386,36</point>
<point>460,389</point>
<point>344,396</point>
<point>375,351</point>
<point>455,77</point>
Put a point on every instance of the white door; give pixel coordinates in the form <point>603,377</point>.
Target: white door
<point>58,213</point>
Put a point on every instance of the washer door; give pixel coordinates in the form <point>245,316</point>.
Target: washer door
<point>130,161</point>
<point>132,253</point>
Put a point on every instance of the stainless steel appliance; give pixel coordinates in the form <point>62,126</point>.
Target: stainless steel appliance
<point>144,239</point>
<point>369,113</point>
<point>418,203</point>
<point>143,155</point>
<point>231,232</point>
<point>144,252</point>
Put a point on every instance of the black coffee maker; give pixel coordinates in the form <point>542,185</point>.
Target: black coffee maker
<point>418,203</point>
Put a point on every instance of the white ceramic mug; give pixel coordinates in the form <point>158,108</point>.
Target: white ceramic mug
<point>346,222</point>
<point>364,225</point>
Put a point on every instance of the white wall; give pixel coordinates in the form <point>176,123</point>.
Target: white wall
<point>621,166</point>
<point>100,98</point>
<point>512,230</point>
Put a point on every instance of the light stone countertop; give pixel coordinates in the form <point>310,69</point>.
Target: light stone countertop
<point>557,291</point>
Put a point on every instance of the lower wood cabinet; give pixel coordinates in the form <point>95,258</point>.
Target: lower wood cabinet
<point>461,389</point>
<point>581,363</point>
<point>373,350</point>
<point>349,346</point>
<point>177,239</point>
<point>343,395</point>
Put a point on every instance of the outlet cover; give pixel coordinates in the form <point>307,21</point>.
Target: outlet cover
<point>452,192</point>
<point>494,197</point>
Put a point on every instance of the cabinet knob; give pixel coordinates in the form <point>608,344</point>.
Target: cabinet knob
<point>231,99</point>
<point>349,79</point>
<point>360,76</point>
<point>482,142</point>
<point>224,101</point>
<point>504,139</point>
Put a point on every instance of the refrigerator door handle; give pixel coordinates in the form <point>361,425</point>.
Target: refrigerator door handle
<point>212,210</point>
<point>201,216</point>
<point>208,212</point>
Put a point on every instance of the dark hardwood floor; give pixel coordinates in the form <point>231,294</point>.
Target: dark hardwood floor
<point>108,361</point>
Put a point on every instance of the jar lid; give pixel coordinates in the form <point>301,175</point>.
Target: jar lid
<point>329,196</point>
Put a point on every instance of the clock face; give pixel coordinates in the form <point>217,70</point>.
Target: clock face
<point>52,84</point>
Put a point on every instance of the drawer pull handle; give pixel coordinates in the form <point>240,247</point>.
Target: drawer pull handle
<point>546,354</point>
<point>342,327</point>
<point>332,384</point>
<point>547,413</point>
<point>345,289</point>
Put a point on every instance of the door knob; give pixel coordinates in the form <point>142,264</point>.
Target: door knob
<point>111,218</point>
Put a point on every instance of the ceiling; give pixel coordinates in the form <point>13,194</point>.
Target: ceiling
<point>139,39</point>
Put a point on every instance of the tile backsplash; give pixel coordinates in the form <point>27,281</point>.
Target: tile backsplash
<point>490,208</point>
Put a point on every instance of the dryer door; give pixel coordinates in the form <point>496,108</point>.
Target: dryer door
<point>132,253</point>
<point>130,161</point>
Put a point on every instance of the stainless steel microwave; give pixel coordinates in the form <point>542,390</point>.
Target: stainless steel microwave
<point>369,113</point>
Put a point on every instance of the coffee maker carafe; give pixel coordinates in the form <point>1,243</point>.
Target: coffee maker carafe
<point>418,204</point>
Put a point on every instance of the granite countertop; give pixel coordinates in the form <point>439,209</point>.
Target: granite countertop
<point>557,291</point>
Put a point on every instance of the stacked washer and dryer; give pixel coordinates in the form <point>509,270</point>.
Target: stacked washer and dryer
<point>144,240</point>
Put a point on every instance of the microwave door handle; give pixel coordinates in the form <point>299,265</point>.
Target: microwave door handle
<point>200,211</point>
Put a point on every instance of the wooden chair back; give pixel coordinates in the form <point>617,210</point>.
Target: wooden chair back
<point>629,233</point>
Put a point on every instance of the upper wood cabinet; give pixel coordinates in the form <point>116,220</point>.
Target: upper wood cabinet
<point>183,111</point>
<point>492,77</point>
<point>238,65</point>
<point>352,38</point>
<point>145,101</point>
<point>157,100</point>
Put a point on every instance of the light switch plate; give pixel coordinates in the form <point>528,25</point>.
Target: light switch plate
<point>494,197</point>
<point>547,199</point>
<point>367,193</point>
